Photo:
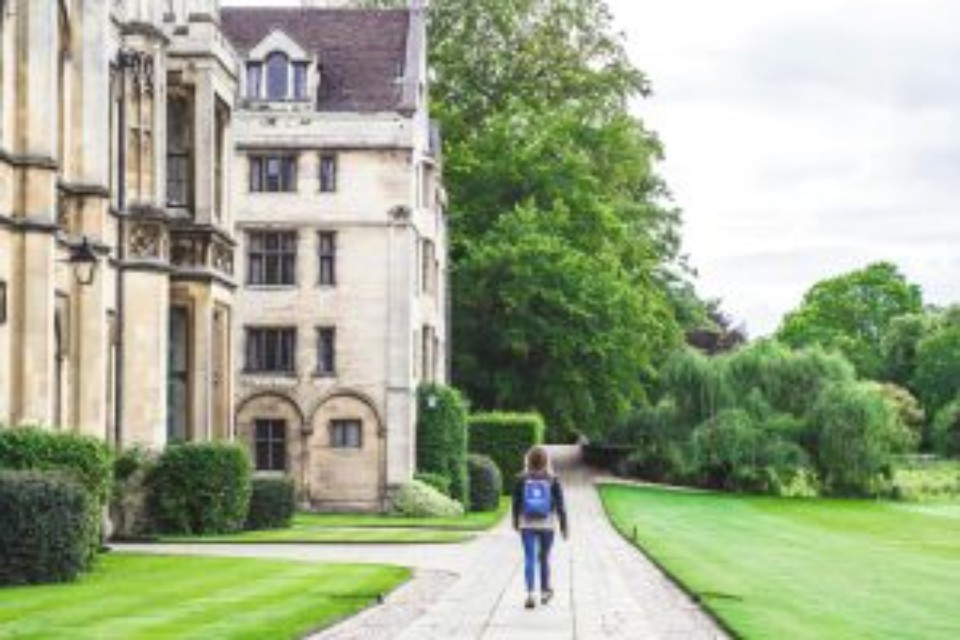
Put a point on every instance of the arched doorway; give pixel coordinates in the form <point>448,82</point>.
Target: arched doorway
<point>271,427</point>
<point>346,453</point>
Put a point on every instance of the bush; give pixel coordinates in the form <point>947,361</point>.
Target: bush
<point>439,482</point>
<point>442,437</point>
<point>946,430</point>
<point>486,483</point>
<point>129,509</point>
<point>272,504</point>
<point>46,527</point>
<point>855,436</point>
<point>418,500</point>
<point>82,458</point>
<point>200,488</point>
<point>506,438</point>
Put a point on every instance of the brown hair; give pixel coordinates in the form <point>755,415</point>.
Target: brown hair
<point>538,460</point>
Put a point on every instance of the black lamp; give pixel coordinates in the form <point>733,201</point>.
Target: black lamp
<point>84,261</point>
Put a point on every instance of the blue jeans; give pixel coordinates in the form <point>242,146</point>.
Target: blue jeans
<point>532,539</point>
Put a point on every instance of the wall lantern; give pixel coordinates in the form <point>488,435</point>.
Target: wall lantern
<point>432,401</point>
<point>84,261</point>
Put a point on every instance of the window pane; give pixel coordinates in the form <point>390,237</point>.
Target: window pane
<point>254,74</point>
<point>328,173</point>
<point>277,81</point>
<point>300,80</point>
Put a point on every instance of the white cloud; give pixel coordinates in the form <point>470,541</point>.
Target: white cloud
<point>805,138</point>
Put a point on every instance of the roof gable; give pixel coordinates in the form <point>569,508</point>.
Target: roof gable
<point>277,40</point>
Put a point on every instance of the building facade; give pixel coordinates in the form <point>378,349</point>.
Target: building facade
<point>342,259</point>
<point>116,125</point>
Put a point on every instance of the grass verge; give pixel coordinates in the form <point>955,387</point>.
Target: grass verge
<point>149,597</point>
<point>305,534</point>
<point>819,569</point>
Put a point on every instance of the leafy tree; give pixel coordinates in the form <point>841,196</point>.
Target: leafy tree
<point>937,376</point>
<point>567,275</point>
<point>852,313</point>
<point>900,342</point>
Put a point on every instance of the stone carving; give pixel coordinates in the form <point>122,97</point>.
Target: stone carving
<point>147,240</point>
<point>223,258</point>
<point>189,251</point>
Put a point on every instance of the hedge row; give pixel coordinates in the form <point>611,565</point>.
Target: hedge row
<point>272,504</point>
<point>201,488</point>
<point>46,527</point>
<point>84,459</point>
<point>442,437</point>
<point>506,438</point>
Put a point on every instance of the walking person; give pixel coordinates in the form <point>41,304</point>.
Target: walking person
<point>537,509</point>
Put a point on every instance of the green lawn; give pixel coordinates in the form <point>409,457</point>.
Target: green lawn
<point>140,597</point>
<point>336,528</point>
<point>469,522</point>
<point>306,534</point>
<point>819,569</point>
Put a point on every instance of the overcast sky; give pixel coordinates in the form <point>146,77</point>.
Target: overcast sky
<point>805,138</point>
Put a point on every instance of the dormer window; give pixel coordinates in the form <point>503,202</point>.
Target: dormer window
<point>277,78</point>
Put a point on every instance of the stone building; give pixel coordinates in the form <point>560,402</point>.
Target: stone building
<point>116,128</point>
<point>340,220</point>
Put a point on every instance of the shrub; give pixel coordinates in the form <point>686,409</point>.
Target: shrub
<point>442,436</point>
<point>83,458</point>
<point>418,500</point>
<point>200,488</point>
<point>855,437</point>
<point>727,451</point>
<point>486,483</point>
<point>272,504</point>
<point>129,510</point>
<point>46,527</point>
<point>439,482</point>
<point>506,438</point>
<point>946,430</point>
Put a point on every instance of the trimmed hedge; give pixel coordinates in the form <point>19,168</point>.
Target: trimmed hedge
<point>45,528</point>
<point>506,438</point>
<point>82,458</point>
<point>486,483</point>
<point>418,500</point>
<point>201,488</point>
<point>272,504</point>
<point>439,482</point>
<point>442,437</point>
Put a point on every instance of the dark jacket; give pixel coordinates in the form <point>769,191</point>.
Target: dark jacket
<point>559,507</point>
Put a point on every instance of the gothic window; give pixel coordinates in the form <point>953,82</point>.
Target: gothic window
<point>328,173</point>
<point>271,350</point>
<point>270,445</point>
<point>328,258</point>
<point>278,78</point>
<point>273,174</point>
<point>179,152</point>
<point>272,258</point>
<point>346,434</point>
<point>326,351</point>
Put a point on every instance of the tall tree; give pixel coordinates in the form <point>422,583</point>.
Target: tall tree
<point>566,249</point>
<point>853,313</point>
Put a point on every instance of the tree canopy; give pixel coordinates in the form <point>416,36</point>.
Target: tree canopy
<point>567,275</point>
<point>852,313</point>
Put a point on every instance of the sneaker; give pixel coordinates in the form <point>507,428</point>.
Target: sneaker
<point>546,596</point>
<point>531,602</point>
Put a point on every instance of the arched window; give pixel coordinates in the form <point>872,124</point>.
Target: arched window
<point>278,77</point>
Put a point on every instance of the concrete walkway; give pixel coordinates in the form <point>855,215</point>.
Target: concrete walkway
<point>605,588</point>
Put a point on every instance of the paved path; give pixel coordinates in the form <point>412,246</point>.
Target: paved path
<point>606,589</point>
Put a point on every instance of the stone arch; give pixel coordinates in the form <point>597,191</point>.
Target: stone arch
<point>278,408</point>
<point>347,451</point>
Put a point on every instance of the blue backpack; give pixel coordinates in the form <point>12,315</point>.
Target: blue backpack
<point>537,497</point>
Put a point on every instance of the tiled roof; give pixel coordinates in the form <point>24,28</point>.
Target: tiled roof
<point>362,52</point>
